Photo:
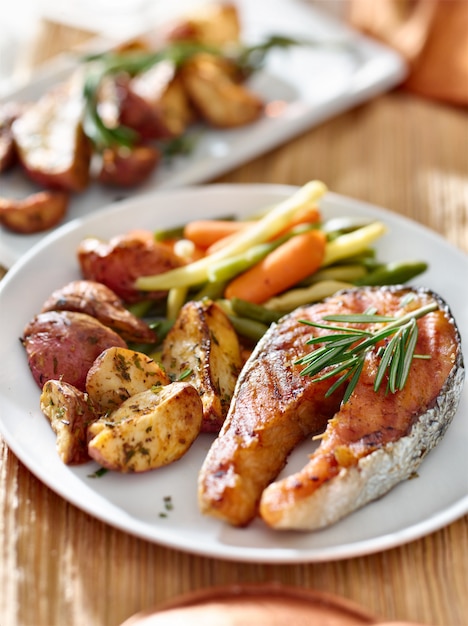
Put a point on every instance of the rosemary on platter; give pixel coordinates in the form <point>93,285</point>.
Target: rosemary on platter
<point>343,352</point>
<point>247,59</point>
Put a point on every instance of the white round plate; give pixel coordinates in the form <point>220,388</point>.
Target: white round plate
<point>136,503</point>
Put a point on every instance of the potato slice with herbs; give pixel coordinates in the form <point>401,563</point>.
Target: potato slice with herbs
<point>69,411</point>
<point>119,373</point>
<point>203,347</point>
<point>149,430</point>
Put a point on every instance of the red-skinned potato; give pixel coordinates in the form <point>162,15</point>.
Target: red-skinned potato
<point>149,430</point>
<point>35,213</point>
<point>128,167</point>
<point>119,262</point>
<point>49,138</point>
<point>97,300</point>
<point>9,112</point>
<point>64,344</point>
<point>154,103</point>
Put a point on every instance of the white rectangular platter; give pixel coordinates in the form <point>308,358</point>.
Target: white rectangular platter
<point>311,83</point>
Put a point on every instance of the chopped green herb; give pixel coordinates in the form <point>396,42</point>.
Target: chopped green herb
<point>98,473</point>
<point>185,374</point>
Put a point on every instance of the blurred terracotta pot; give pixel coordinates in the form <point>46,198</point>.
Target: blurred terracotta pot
<point>431,34</point>
<point>268,604</point>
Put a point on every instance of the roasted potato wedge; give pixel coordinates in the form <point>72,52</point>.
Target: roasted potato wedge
<point>216,24</point>
<point>35,213</point>
<point>119,373</point>
<point>70,412</point>
<point>9,112</point>
<point>51,144</point>
<point>204,348</point>
<point>218,97</point>
<point>149,430</point>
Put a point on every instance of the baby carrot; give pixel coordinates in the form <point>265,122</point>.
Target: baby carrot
<point>291,262</point>
<point>205,233</point>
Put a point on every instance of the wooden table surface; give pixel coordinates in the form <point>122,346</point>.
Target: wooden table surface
<point>60,566</point>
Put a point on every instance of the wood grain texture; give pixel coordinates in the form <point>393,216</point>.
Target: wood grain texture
<point>60,566</point>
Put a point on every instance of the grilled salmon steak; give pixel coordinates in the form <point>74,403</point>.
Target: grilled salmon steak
<point>367,444</point>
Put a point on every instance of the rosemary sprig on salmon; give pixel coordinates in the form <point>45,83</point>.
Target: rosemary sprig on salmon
<point>344,351</point>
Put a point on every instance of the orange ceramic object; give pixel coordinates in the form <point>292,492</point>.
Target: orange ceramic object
<point>263,605</point>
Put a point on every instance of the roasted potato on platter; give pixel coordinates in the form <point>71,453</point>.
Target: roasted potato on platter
<point>49,138</point>
<point>217,96</point>
<point>124,167</point>
<point>9,111</point>
<point>34,213</point>
<point>119,373</point>
<point>214,24</point>
<point>203,347</point>
<point>156,104</point>
<point>149,430</point>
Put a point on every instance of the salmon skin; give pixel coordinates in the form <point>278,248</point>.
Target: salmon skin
<point>367,445</point>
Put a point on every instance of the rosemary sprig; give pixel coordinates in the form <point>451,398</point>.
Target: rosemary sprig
<point>344,351</point>
<point>247,59</point>
<point>131,62</point>
<point>94,127</point>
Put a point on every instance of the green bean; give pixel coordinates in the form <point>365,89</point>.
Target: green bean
<point>226,269</point>
<point>393,273</point>
<point>161,327</point>
<point>337,226</point>
<point>252,311</point>
<point>248,328</point>
<point>212,290</point>
<point>140,309</point>
<point>144,348</point>
<point>225,305</point>
<point>364,257</point>
<point>176,298</point>
<point>342,272</point>
<point>290,300</point>
<point>164,234</point>
<point>352,243</point>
